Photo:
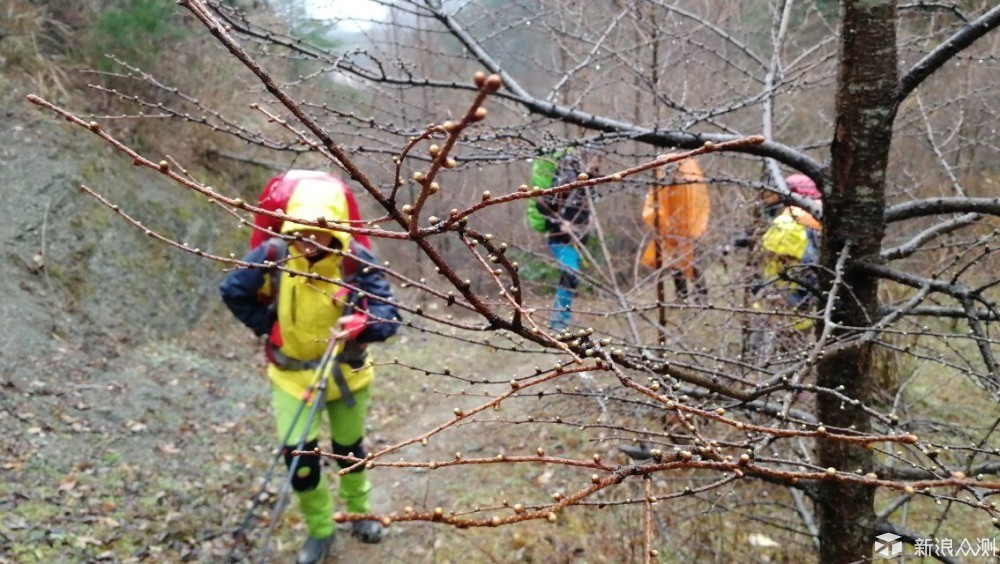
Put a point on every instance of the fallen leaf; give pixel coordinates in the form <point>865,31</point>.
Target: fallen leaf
<point>68,419</point>
<point>224,427</point>
<point>83,541</point>
<point>135,426</point>
<point>169,448</point>
<point>762,541</point>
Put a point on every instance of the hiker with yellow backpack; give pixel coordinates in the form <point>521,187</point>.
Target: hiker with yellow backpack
<point>565,218</point>
<point>790,244</point>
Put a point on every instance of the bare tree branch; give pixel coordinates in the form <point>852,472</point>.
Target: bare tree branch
<point>655,137</point>
<point>934,60</point>
<point>928,235</point>
<point>935,206</point>
<point>909,473</point>
<point>943,311</point>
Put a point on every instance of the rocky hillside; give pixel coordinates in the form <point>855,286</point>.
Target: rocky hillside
<point>73,270</point>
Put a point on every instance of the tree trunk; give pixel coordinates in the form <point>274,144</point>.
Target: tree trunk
<point>865,107</point>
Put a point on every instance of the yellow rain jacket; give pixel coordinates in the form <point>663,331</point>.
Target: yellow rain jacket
<point>677,208</point>
<point>788,242</point>
<point>308,308</point>
<point>787,239</point>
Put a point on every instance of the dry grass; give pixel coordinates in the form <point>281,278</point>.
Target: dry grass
<point>27,53</point>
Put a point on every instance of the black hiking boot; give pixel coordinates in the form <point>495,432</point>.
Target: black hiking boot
<point>369,532</point>
<point>315,551</point>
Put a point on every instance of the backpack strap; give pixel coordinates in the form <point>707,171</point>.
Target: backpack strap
<point>276,251</point>
<point>350,266</point>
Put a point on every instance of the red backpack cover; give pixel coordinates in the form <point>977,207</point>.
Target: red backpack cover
<point>277,193</point>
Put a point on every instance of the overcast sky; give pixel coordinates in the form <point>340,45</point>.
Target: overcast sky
<point>347,9</point>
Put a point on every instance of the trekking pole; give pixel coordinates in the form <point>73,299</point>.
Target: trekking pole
<point>240,534</point>
<point>316,389</point>
<point>332,354</point>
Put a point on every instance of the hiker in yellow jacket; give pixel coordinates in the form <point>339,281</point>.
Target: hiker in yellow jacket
<point>678,208</point>
<point>297,312</point>
<point>791,241</point>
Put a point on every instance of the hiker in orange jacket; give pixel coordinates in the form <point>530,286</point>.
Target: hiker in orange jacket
<point>677,208</point>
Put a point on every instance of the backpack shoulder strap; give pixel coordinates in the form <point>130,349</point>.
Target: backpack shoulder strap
<point>276,250</point>
<point>350,266</point>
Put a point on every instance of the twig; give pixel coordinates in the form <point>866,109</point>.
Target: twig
<point>650,553</point>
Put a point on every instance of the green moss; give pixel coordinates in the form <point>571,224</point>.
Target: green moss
<point>37,510</point>
<point>33,553</point>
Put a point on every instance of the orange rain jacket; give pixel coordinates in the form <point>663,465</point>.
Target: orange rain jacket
<point>677,208</point>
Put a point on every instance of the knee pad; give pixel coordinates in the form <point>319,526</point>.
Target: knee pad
<point>568,280</point>
<point>307,472</point>
<point>355,449</point>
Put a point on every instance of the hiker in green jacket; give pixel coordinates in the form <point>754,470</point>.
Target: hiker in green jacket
<point>566,221</point>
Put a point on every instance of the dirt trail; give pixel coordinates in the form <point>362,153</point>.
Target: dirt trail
<point>149,453</point>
